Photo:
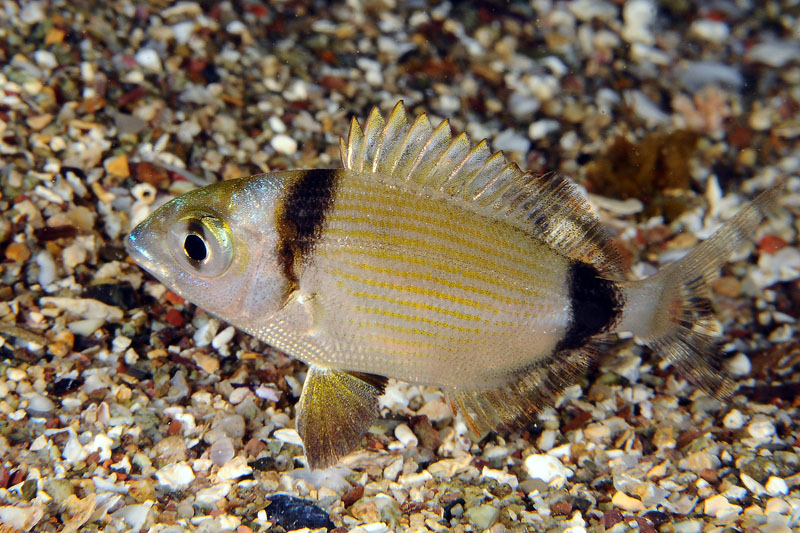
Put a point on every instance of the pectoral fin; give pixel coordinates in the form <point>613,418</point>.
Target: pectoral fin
<point>335,410</point>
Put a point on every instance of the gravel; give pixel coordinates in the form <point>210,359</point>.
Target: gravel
<point>125,408</point>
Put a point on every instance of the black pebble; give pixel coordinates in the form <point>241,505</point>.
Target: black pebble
<point>65,385</point>
<point>118,295</point>
<point>295,513</point>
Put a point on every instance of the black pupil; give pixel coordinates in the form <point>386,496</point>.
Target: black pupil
<point>195,247</point>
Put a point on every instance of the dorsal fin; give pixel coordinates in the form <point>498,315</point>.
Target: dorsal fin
<point>416,152</point>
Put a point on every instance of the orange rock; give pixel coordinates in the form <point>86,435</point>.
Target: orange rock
<point>771,244</point>
<point>18,252</point>
<point>118,166</point>
<point>173,298</point>
<point>54,36</point>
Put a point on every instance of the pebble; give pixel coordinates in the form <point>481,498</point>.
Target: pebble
<point>17,252</point>
<point>73,255</point>
<point>482,516</point>
<point>511,141</point>
<point>39,405</point>
<point>134,516</point>
<point>149,60</point>
<point>776,486</point>
<point>85,307</point>
<point>714,31</point>
<point>588,10</point>
<point>222,338</point>
<point>289,436</point>
<point>47,268</point>
<point>175,476</point>
<point>86,327</point>
<point>638,17</point>
<point>210,496</point>
<point>761,427</point>
<point>208,363</point>
<point>206,332</point>
<point>284,144</point>
<point>221,451</point>
<point>21,518</point>
<point>777,506</point>
<point>739,365</point>
<point>118,166</point>
<point>775,54</point>
<point>404,434</point>
<point>234,469</point>
<point>628,503</point>
<point>542,128</point>
<point>547,468</point>
<point>73,451</point>
<point>734,420</point>
<point>719,507</point>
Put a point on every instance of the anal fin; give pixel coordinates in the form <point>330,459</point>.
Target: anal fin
<point>522,393</point>
<point>335,410</point>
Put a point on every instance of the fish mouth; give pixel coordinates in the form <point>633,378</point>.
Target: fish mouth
<point>137,248</point>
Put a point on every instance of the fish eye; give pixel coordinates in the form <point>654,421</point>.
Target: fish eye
<point>201,245</point>
<point>195,247</point>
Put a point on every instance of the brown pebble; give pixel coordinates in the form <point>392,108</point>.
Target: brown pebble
<point>174,318</point>
<point>562,508</point>
<point>429,438</point>
<point>18,252</point>
<point>770,244</point>
<point>729,286</point>
<point>175,427</point>
<point>254,447</point>
<point>612,518</point>
<point>146,172</point>
<point>353,495</point>
<point>710,475</point>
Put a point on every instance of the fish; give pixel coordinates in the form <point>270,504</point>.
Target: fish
<point>431,260</point>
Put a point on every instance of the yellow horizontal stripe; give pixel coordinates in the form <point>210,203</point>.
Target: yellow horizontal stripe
<point>434,279</point>
<point>426,231</point>
<point>436,265</point>
<point>419,305</point>
<point>416,318</point>
<point>414,213</point>
<point>479,261</point>
<point>416,331</point>
<point>417,290</point>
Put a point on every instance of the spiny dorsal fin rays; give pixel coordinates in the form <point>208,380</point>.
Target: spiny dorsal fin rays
<point>417,136</point>
<point>452,159</point>
<point>353,149</point>
<point>430,153</point>
<point>431,158</point>
<point>372,141</point>
<point>395,130</point>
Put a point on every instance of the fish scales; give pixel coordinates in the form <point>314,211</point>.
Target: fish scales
<point>429,260</point>
<point>408,281</point>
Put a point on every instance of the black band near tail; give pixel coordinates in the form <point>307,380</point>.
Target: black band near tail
<point>596,304</point>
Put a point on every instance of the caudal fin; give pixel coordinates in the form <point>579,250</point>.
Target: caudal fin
<point>671,310</point>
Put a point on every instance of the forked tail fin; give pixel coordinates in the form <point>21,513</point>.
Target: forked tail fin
<point>671,310</point>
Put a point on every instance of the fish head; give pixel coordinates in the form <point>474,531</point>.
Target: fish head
<point>217,247</point>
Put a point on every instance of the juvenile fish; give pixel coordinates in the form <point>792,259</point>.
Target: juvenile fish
<point>434,261</point>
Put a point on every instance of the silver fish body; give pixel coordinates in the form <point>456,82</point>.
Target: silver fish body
<point>427,260</point>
